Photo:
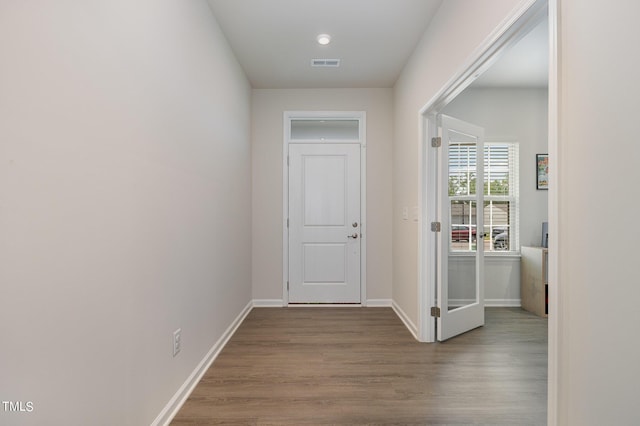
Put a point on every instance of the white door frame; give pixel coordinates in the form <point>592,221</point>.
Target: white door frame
<point>506,35</point>
<point>362,140</point>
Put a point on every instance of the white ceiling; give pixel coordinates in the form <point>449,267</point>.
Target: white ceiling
<point>524,65</point>
<point>275,41</point>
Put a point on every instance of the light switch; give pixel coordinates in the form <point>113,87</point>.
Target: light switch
<point>405,213</point>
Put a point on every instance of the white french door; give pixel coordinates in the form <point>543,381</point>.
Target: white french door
<point>460,281</point>
<point>324,223</point>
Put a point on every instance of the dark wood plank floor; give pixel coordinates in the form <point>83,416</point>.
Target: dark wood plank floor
<point>351,366</point>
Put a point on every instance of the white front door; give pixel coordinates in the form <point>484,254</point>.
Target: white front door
<point>324,223</point>
<point>460,280</point>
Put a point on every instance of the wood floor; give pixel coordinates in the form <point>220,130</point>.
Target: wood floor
<point>355,366</point>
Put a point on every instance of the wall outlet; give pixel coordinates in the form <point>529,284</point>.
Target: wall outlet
<point>177,341</point>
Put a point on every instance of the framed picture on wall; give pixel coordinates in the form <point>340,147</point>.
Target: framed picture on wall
<point>542,171</point>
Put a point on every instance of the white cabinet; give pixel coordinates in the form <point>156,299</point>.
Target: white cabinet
<point>534,282</point>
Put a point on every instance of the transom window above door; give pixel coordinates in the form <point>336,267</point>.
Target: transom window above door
<point>320,127</point>
<point>325,130</point>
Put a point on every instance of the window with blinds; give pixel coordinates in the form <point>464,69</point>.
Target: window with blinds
<point>501,192</point>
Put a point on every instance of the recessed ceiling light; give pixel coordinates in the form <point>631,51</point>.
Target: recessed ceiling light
<point>324,39</point>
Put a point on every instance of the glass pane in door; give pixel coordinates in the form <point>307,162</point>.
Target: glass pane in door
<point>462,259</point>
<point>463,220</point>
<point>463,226</point>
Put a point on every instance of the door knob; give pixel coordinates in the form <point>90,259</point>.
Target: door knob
<point>354,235</point>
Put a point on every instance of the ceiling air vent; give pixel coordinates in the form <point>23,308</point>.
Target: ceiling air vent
<point>325,63</point>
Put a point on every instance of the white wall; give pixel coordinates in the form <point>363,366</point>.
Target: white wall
<point>511,115</point>
<point>124,204</point>
<point>442,51</point>
<point>597,164</point>
<point>267,144</point>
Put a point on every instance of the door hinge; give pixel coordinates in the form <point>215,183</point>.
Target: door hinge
<point>435,311</point>
<point>287,222</point>
<point>436,142</point>
<point>287,160</point>
<point>287,285</point>
<point>435,226</point>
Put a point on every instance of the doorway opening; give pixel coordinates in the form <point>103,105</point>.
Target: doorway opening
<point>431,249</point>
<point>520,23</point>
<point>434,267</point>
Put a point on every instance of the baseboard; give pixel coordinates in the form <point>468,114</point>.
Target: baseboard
<point>379,303</point>
<point>268,303</point>
<point>502,303</point>
<point>325,305</point>
<point>174,405</point>
<point>488,303</point>
<point>405,319</point>
<point>279,303</point>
